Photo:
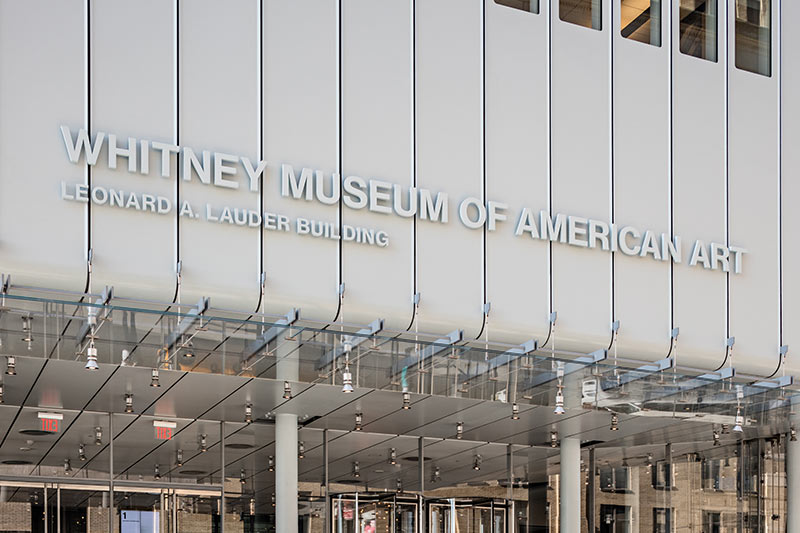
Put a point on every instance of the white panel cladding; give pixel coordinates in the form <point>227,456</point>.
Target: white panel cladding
<point>137,81</point>
<point>517,171</point>
<point>42,86</point>
<point>219,110</point>
<point>450,159</point>
<point>754,188</point>
<point>699,295</point>
<point>133,95</point>
<point>377,137</point>
<point>790,185</point>
<point>301,128</point>
<point>581,162</point>
<point>642,292</point>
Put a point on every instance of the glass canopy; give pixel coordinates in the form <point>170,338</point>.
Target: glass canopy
<point>197,338</point>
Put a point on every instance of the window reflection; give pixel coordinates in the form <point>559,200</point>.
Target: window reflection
<point>586,13</point>
<point>640,20</point>
<point>532,6</point>
<point>753,45</point>
<point>698,28</point>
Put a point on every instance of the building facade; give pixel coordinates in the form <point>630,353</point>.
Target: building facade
<point>398,265</point>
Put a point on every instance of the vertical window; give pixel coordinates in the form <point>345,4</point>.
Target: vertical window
<point>753,42</point>
<point>614,479</point>
<point>699,28</point>
<point>661,520</point>
<point>615,519</point>
<point>586,13</point>
<point>662,475</point>
<point>712,522</point>
<point>532,6</point>
<point>640,20</point>
<point>712,474</point>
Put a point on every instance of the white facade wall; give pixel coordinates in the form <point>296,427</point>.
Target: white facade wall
<point>468,98</point>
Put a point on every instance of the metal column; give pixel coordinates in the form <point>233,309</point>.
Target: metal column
<point>286,514</point>
<point>286,473</point>
<point>792,485</point>
<point>570,485</point>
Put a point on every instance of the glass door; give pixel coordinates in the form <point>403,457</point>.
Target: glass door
<point>370,513</point>
<point>81,508</point>
<point>139,510</point>
<point>153,510</point>
<point>467,516</point>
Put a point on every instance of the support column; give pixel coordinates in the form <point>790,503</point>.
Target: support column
<point>286,473</point>
<point>792,486</point>
<point>286,514</point>
<point>570,484</point>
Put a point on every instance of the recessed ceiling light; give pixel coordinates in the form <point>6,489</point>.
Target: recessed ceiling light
<point>35,432</point>
<point>192,472</point>
<point>239,446</point>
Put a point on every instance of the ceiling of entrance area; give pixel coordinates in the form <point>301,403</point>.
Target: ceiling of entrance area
<point>197,403</point>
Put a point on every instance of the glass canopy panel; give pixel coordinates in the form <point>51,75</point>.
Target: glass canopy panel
<point>197,338</point>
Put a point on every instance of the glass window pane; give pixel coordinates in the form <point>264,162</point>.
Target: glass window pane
<point>586,13</point>
<point>753,44</point>
<point>531,6</point>
<point>640,20</point>
<point>699,28</point>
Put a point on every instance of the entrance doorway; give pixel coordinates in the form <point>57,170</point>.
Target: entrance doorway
<point>373,513</point>
<point>396,513</point>
<point>467,515</point>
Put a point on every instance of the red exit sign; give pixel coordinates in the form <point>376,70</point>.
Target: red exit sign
<point>163,433</point>
<point>50,421</point>
<point>50,425</point>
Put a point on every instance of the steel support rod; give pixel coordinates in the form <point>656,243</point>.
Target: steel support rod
<point>326,479</point>
<point>111,472</point>
<point>222,475</point>
<point>421,467</point>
